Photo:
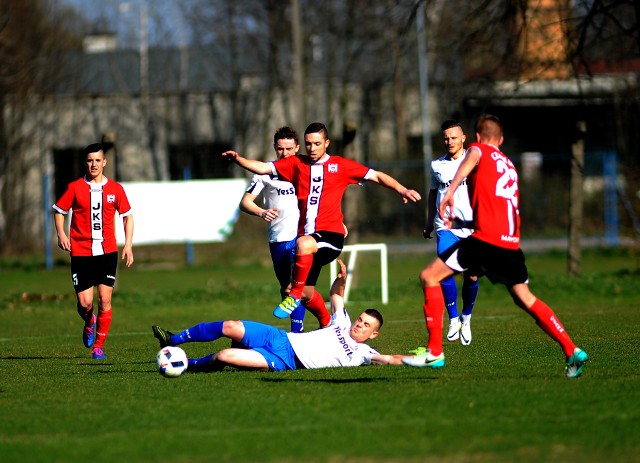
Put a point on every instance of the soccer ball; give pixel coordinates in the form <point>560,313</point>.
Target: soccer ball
<point>171,361</point>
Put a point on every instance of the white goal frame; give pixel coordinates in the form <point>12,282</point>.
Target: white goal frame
<point>353,250</point>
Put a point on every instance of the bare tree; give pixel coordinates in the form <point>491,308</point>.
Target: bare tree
<point>605,38</point>
<point>31,37</point>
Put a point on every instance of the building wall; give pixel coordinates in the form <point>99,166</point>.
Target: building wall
<point>71,123</point>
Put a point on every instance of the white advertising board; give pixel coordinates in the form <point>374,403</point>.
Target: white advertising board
<point>182,211</point>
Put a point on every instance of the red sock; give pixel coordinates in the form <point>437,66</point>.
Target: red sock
<point>301,269</point>
<point>102,328</point>
<point>316,306</point>
<point>433,312</point>
<point>547,320</point>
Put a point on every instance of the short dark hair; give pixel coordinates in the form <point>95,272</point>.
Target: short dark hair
<point>317,127</point>
<point>449,123</point>
<point>93,148</point>
<point>489,126</point>
<point>285,133</point>
<point>375,314</point>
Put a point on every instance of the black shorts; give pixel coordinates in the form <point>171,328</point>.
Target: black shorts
<point>330,246</point>
<point>499,265</point>
<point>90,271</point>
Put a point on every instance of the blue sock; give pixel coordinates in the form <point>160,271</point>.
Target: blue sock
<point>297,319</point>
<point>450,293</point>
<point>201,364</point>
<point>469,294</point>
<point>203,332</point>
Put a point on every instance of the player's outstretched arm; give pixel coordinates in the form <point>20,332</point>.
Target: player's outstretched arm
<point>252,165</point>
<point>337,287</point>
<point>336,294</point>
<point>387,359</point>
<point>388,181</point>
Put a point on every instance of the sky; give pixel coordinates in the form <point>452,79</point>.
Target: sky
<point>165,20</point>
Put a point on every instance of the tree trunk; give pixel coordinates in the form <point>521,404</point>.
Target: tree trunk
<point>575,201</point>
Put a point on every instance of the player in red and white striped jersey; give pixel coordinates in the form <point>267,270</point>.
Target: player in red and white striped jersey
<point>94,200</point>
<point>320,181</point>
<point>279,208</point>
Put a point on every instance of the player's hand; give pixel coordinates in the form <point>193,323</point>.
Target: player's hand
<point>231,155</point>
<point>64,243</point>
<point>446,205</point>
<point>412,195</point>
<point>127,255</point>
<point>342,270</point>
<point>269,214</point>
<point>448,220</point>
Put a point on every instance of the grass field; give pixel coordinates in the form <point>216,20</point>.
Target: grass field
<point>503,398</point>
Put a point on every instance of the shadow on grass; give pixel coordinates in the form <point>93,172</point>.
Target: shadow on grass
<point>342,381</point>
<point>34,357</point>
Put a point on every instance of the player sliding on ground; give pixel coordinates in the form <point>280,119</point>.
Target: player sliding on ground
<point>493,249</point>
<point>320,181</point>
<point>267,348</point>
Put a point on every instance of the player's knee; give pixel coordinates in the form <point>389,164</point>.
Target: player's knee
<point>306,245</point>
<point>231,327</point>
<point>104,302</point>
<point>428,278</point>
<point>422,278</point>
<point>225,355</point>
<point>83,308</point>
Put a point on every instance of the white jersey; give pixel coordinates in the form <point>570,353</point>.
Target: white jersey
<point>332,346</point>
<point>281,195</point>
<point>443,170</point>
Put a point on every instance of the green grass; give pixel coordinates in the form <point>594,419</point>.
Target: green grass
<point>503,398</point>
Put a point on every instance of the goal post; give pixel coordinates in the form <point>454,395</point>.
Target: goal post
<point>353,251</point>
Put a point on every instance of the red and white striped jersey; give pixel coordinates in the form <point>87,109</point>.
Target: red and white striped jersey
<point>320,187</point>
<point>94,205</point>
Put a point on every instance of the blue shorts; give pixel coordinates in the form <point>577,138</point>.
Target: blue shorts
<point>444,240</point>
<point>272,343</point>
<point>282,255</point>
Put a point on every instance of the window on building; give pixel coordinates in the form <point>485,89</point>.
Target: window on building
<point>199,161</point>
<point>68,165</point>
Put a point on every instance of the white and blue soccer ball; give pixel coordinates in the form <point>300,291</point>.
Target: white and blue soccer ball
<point>171,361</point>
